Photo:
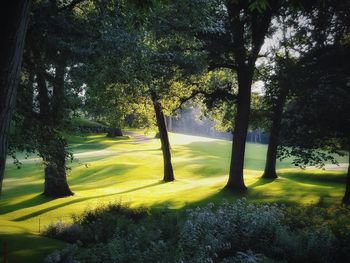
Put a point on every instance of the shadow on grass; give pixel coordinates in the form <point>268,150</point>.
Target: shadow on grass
<point>95,174</point>
<point>324,190</point>
<point>262,181</point>
<point>142,187</point>
<point>96,142</point>
<point>38,199</point>
<point>42,211</point>
<point>315,178</point>
<point>23,246</point>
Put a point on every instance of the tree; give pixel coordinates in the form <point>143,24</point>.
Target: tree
<point>243,26</point>
<point>50,56</point>
<point>14,21</point>
<point>316,123</point>
<point>162,52</point>
<point>311,130</point>
<point>277,111</point>
<point>278,86</point>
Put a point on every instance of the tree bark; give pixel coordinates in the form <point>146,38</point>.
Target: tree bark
<point>14,22</point>
<point>53,148</point>
<point>236,181</point>
<point>58,98</point>
<point>270,165</point>
<point>55,172</point>
<point>164,139</point>
<point>56,184</point>
<point>346,198</point>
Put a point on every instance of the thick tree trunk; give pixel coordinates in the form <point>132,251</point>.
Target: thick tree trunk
<point>14,21</point>
<point>164,139</point>
<point>55,170</point>
<point>236,181</point>
<point>270,165</point>
<point>53,148</point>
<point>346,198</point>
<point>56,182</point>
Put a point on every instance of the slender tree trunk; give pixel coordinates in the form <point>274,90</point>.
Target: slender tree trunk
<point>236,181</point>
<point>346,198</point>
<point>270,165</point>
<point>14,22</point>
<point>170,121</point>
<point>164,139</point>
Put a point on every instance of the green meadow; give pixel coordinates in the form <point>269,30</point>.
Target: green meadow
<point>129,169</point>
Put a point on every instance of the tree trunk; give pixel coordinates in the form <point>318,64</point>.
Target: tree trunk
<point>236,181</point>
<point>170,123</point>
<point>14,21</point>
<point>56,182</point>
<point>43,98</point>
<point>55,170</point>
<point>270,165</point>
<point>58,97</point>
<point>346,198</point>
<point>164,139</point>
<point>53,146</point>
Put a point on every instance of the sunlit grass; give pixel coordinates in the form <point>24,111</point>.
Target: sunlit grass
<point>106,170</point>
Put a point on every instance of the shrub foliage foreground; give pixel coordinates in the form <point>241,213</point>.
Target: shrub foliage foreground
<point>230,232</point>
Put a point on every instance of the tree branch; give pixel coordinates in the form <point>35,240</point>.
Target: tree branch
<point>217,94</point>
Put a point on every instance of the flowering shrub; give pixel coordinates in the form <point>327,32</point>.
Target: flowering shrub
<point>231,228</point>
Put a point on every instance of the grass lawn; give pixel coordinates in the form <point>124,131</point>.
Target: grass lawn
<point>106,170</point>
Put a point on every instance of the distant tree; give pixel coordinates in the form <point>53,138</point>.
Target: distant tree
<point>14,20</point>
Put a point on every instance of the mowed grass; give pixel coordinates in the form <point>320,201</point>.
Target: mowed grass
<point>107,170</point>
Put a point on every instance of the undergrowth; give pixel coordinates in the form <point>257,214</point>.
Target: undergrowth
<point>230,232</point>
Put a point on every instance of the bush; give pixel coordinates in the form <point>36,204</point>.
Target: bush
<point>229,229</point>
<point>66,232</point>
<point>231,232</point>
<point>96,225</point>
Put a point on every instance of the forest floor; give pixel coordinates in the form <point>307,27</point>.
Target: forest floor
<point>129,169</point>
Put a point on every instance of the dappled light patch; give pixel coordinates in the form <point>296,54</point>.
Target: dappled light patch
<point>112,169</point>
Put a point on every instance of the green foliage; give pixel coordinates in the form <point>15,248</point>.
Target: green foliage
<point>230,232</point>
<point>316,123</point>
<point>96,225</point>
